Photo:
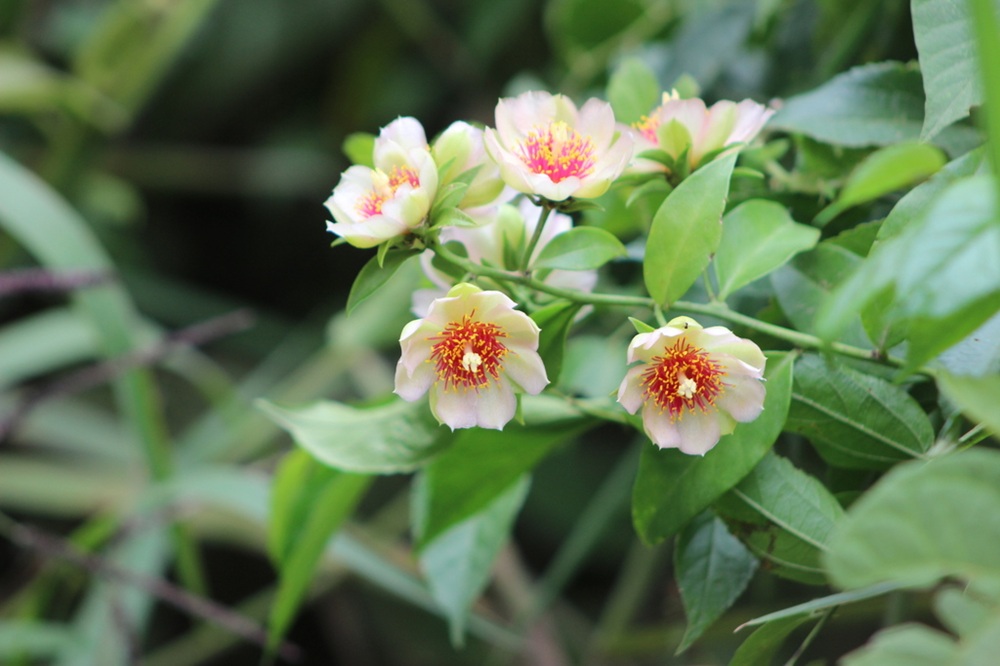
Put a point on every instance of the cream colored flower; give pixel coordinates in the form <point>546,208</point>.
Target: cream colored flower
<point>546,147</point>
<point>371,206</point>
<point>472,353</point>
<point>693,384</point>
<point>686,124</point>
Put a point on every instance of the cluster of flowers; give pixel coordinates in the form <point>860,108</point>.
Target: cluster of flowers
<point>470,349</point>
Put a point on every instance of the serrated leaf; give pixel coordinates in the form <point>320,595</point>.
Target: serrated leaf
<point>942,30</point>
<point>942,272</point>
<point>398,436</point>
<point>482,464</point>
<point>672,488</point>
<point>457,563</point>
<point>884,171</point>
<point>870,105</point>
<point>921,522</point>
<point>856,420</point>
<point>758,237</point>
<point>686,230</point>
<point>802,285</point>
<point>633,90</point>
<point>785,516</point>
<point>712,569</point>
<point>579,249</point>
<point>374,274</point>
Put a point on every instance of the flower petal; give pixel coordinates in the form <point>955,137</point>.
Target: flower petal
<point>699,432</point>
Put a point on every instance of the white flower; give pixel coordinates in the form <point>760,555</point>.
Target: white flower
<point>545,147</point>
<point>489,244</point>
<point>472,353</point>
<point>371,206</point>
<point>679,124</point>
<point>693,384</point>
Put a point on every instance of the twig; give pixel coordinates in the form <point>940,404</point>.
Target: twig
<point>101,373</point>
<point>54,547</point>
<point>41,280</point>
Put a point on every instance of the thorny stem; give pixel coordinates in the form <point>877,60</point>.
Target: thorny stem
<point>719,310</point>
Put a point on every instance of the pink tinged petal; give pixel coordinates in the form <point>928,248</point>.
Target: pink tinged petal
<point>699,432</point>
<point>630,393</point>
<point>405,131</point>
<point>660,428</point>
<point>751,120</point>
<point>526,369</point>
<point>412,384</point>
<point>597,122</point>
<point>743,398</point>
<point>489,407</point>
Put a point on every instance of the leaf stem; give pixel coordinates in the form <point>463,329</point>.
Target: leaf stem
<point>719,310</point>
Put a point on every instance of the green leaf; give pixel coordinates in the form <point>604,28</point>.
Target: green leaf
<point>884,171</point>
<point>398,436</point>
<point>914,204</point>
<point>830,601</point>
<point>785,516</point>
<point>640,326</point>
<point>943,272</point>
<point>309,505</point>
<point>977,397</point>
<point>555,321</point>
<point>856,420</point>
<point>37,640</point>
<point>457,563</point>
<point>360,148</point>
<point>802,286</point>
<point>712,569</point>
<point>374,275</point>
<point>633,90</point>
<point>482,464</point>
<point>758,237</point>
<point>942,30</point>
<point>879,104</point>
<point>763,645</point>
<point>672,488</point>
<point>921,522</point>
<point>905,645</point>
<point>579,249</point>
<point>686,230</point>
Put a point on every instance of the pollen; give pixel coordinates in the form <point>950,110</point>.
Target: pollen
<point>468,354</point>
<point>683,379</point>
<point>558,151</point>
<point>647,125</point>
<point>384,188</point>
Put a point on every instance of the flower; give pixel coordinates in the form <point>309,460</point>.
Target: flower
<point>371,206</point>
<point>499,243</point>
<point>545,147</point>
<point>692,383</point>
<point>472,353</point>
<point>457,150</point>
<point>686,124</point>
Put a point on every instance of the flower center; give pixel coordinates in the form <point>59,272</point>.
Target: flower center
<point>385,186</point>
<point>468,354</point>
<point>558,151</point>
<point>647,126</point>
<point>684,378</point>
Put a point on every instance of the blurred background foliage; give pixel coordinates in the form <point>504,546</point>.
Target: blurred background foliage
<point>195,142</point>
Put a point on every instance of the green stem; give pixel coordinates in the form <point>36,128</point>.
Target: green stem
<point>719,310</point>
<point>985,27</point>
<point>533,243</point>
